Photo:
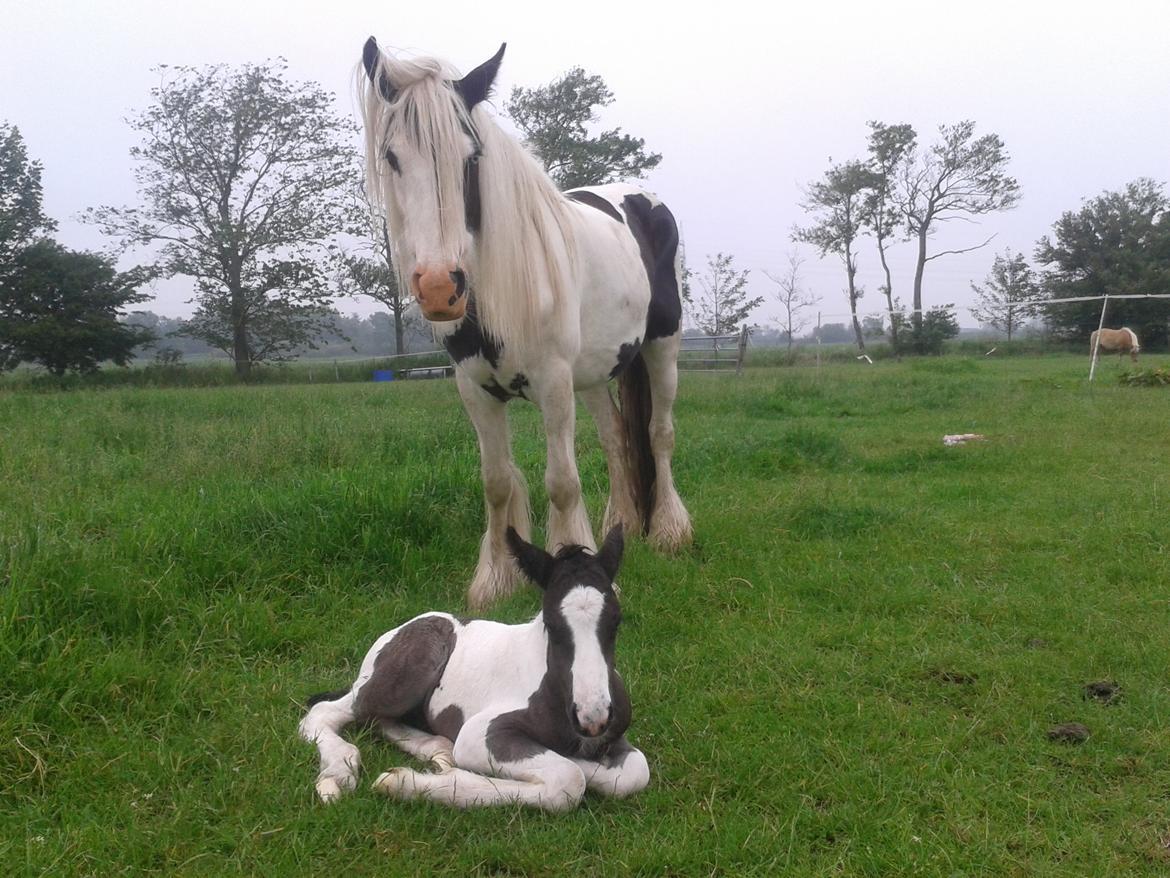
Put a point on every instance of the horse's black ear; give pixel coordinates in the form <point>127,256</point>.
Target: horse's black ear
<point>370,56</point>
<point>534,561</point>
<point>610,555</point>
<point>477,84</point>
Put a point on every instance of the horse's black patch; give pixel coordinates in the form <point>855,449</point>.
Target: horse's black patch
<point>326,696</point>
<point>515,388</point>
<point>517,385</point>
<point>595,200</point>
<point>472,209</point>
<point>406,670</point>
<point>447,722</point>
<point>497,390</point>
<point>547,723</point>
<point>469,340</point>
<point>626,354</point>
<point>656,232</point>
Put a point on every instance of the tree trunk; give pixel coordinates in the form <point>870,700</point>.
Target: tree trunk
<point>889,289</point>
<point>919,269</point>
<point>241,353</point>
<point>853,312</point>
<point>399,331</point>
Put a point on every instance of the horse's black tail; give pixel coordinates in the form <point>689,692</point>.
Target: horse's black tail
<point>634,393</point>
<point>326,696</point>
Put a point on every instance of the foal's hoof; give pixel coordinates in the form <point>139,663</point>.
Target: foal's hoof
<point>398,783</point>
<point>331,788</point>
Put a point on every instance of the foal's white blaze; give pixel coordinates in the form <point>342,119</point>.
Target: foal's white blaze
<point>581,609</point>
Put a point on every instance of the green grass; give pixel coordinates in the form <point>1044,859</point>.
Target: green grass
<point>850,673</point>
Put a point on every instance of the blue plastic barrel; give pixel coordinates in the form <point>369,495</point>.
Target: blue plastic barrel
<point>383,375</point>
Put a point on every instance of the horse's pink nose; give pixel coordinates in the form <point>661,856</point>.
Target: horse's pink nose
<point>440,291</point>
<point>593,722</point>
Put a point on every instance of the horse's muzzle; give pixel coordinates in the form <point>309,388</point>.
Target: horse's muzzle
<point>591,724</point>
<point>441,292</point>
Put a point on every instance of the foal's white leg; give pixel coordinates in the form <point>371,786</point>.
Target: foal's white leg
<point>568,522</point>
<point>505,496</point>
<point>419,744</point>
<point>620,508</point>
<point>620,774</point>
<point>340,760</point>
<point>543,780</point>
<point>670,525</point>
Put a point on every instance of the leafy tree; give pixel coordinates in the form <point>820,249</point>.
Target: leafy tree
<point>1010,282</point>
<point>794,299</point>
<point>243,175</point>
<point>1118,243</point>
<point>554,121</point>
<point>60,309</point>
<point>722,302</point>
<point>926,335</point>
<point>959,177</point>
<point>873,327</point>
<point>890,146</point>
<point>838,201</point>
<point>375,276</point>
<point>21,217</point>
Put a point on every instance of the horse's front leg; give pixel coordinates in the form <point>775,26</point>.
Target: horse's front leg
<point>505,496</point>
<point>512,769</point>
<point>622,772</point>
<point>568,522</point>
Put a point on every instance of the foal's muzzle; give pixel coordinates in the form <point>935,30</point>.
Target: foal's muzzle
<point>592,723</point>
<point>441,292</point>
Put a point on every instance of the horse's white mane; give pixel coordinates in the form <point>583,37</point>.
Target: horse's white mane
<point>525,261</point>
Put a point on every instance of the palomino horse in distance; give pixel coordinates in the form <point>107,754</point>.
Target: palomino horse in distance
<point>533,713</point>
<point>536,294</point>
<point>1124,341</point>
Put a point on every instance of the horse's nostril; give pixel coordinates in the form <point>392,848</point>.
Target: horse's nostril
<point>460,281</point>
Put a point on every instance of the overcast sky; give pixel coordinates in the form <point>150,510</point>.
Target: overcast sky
<point>746,104</point>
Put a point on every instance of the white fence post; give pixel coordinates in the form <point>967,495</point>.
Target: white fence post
<point>1097,340</point>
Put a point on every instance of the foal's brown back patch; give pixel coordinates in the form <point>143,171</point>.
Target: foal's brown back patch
<point>407,669</point>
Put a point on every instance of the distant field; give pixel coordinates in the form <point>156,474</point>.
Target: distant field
<point>851,673</point>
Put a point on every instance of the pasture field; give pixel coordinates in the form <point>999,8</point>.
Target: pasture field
<point>852,672</point>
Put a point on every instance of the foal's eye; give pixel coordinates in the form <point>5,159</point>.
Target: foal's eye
<point>392,160</point>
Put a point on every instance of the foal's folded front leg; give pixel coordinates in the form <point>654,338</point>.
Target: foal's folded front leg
<point>514,770</point>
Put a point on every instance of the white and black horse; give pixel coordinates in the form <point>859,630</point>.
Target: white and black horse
<point>531,714</point>
<point>536,294</point>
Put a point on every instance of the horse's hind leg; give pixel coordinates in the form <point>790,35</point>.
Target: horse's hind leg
<point>340,760</point>
<point>670,525</point>
<point>421,745</point>
<point>620,508</point>
<point>505,496</point>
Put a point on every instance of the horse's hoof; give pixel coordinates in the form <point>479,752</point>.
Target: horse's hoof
<point>330,790</point>
<point>398,783</point>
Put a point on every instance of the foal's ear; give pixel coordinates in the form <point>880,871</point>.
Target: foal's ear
<point>610,555</point>
<point>370,56</point>
<point>477,84</point>
<point>534,561</point>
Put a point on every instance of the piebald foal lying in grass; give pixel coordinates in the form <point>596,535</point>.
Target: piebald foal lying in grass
<point>532,713</point>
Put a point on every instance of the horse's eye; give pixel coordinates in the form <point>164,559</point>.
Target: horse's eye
<point>474,157</point>
<point>392,160</point>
